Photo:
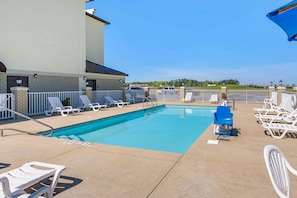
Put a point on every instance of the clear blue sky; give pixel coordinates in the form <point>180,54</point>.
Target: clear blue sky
<point>165,40</point>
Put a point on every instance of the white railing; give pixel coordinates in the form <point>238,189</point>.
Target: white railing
<point>38,103</point>
<point>138,95</point>
<point>7,102</point>
<point>98,96</point>
<point>247,96</point>
<point>203,95</point>
<point>168,95</point>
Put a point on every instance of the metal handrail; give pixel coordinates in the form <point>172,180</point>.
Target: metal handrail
<point>148,99</point>
<point>24,116</point>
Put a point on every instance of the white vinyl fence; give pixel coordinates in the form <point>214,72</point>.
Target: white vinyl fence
<point>247,96</point>
<point>6,101</point>
<point>168,95</point>
<point>38,103</point>
<point>138,95</point>
<point>203,95</point>
<point>98,96</point>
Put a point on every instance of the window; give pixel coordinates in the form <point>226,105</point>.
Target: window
<point>92,83</point>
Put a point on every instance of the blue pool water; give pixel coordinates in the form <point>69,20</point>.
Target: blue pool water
<point>165,128</point>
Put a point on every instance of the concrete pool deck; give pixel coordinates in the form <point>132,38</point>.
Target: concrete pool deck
<point>232,168</point>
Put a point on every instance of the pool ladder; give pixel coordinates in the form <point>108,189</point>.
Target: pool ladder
<point>27,117</point>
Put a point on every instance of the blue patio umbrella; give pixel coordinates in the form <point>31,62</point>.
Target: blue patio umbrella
<point>286,18</point>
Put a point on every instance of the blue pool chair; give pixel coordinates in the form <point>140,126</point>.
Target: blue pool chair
<point>223,122</point>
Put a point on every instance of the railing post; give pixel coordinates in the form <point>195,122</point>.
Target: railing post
<point>21,99</point>
<point>270,90</point>
<point>125,90</point>
<point>182,93</point>
<point>88,92</point>
<point>295,92</point>
<point>280,91</point>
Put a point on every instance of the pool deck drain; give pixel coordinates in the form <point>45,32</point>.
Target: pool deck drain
<point>232,168</point>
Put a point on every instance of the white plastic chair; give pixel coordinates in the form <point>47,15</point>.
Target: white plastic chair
<point>278,166</point>
<point>130,98</point>
<point>57,106</point>
<point>46,191</point>
<point>281,117</point>
<point>272,109</point>
<point>110,101</point>
<point>280,128</point>
<point>28,175</point>
<point>88,104</point>
<point>188,97</point>
<point>214,98</point>
<point>270,102</point>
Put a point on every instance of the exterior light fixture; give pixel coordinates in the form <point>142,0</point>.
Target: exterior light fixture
<point>123,82</point>
<point>19,81</point>
<point>35,75</point>
<point>85,78</point>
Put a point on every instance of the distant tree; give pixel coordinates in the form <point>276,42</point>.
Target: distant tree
<point>229,81</point>
<point>187,82</point>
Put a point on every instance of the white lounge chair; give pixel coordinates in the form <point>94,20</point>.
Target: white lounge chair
<point>111,102</point>
<point>214,98</point>
<point>277,167</point>
<point>272,109</point>
<point>45,191</point>
<point>279,130</point>
<point>287,117</point>
<point>188,97</point>
<point>87,104</point>
<point>129,98</point>
<point>29,174</point>
<point>57,106</point>
<point>270,102</point>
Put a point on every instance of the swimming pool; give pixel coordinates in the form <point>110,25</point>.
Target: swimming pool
<point>162,128</point>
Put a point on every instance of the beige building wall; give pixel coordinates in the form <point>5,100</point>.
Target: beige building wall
<point>43,37</point>
<point>95,40</point>
<point>107,82</point>
<point>52,83</point>
<point>44,83</point>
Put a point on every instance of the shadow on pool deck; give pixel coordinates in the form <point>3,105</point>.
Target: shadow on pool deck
<point>4,165</point>
<point>232,168</point>
<point>65,183</point>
